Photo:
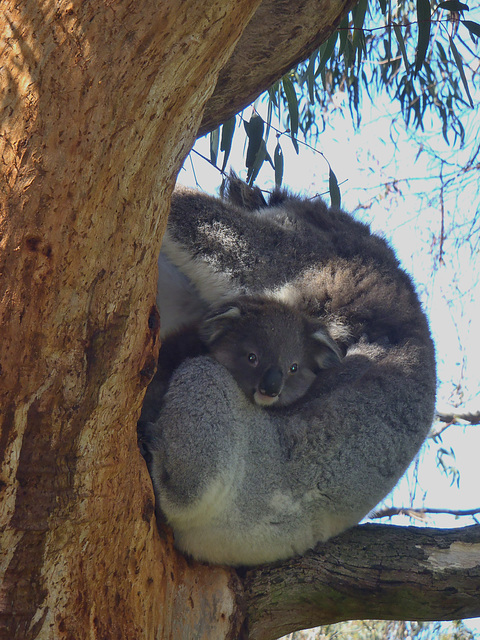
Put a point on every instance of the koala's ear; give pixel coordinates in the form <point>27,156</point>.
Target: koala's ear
<point>326,351</point>
<point>218,321</point>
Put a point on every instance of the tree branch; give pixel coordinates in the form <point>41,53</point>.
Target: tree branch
<point>299,26</point>
<point>388,512</point>
<point>369,572</point>
<point>456,418</point>
<point>449,419</point>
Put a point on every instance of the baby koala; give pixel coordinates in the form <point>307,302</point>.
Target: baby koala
<point>273,351</point>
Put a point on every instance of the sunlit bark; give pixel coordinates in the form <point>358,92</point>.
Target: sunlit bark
<point>100,104</point>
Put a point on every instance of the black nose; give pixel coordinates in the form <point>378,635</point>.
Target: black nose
<point>271,382</point>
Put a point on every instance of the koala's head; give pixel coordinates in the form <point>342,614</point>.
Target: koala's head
<point>273,351</point>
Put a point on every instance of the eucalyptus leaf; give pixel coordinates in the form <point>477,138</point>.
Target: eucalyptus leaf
<point>383,6</point>
<point>334,190</point>
<point>343,32</point>
<point>424,24</point>
<point>441,51</point>
<point>359,12</point>
<point>292,103</point>
<point>459,63</point>
<point>254,129</point>
<point>256,165</point>
<point>325,53</point>
<point>278,163</point>
<point>401,43</point>
<point>473,27</point>
<point>228,129</point>
<point>310,76</point>
<point>214,140</point>
<point>453,5</point>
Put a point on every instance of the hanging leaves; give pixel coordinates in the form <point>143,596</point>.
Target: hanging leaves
<point>453,5</point>
<point>292,103</point>
<point>473,27</point>
<point>401,44</point>
<point>424,24</point>
<point>256,149</point>
<point>254,130</point>
<point>459,62</point>
<point>214,139</point>
<point>278,165</point>
<point>436,82</point>
<point>334,190</point>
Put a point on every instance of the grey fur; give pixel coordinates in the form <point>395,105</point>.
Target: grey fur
<point>242,485</point>
<point>272,350</point>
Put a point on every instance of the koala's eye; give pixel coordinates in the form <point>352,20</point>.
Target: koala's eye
<point>294,368</point>
<point>252,358</point>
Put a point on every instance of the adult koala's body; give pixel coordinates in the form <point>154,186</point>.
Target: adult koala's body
<point>245,485</point>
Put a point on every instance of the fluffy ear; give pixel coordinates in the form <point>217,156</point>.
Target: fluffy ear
<point>218,321</point>
<point>326,351</point>
<point>243,195</point>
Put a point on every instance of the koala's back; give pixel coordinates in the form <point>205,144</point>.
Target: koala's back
<point>316,258</point>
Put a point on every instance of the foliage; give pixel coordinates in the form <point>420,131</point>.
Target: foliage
<point>414,54</point>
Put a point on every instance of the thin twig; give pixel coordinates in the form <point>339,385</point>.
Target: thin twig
<point>420,514</point>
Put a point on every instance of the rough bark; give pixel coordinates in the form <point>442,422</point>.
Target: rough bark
<point>281,34</point>
<point>100,104</point>
<point>374,572</point>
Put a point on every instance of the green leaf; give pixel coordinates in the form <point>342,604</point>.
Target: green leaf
<point>441,51</point>
<point>383,6</point>
<point>424,22</point>
<point>214,138</point>
<point>401,44</point>
<point>310,76</point>
<point>343,33</point>
<point>358,13</point>
<point>473,27</point>
<point>254,130</point>
<point>459,63</point>
<point>278,163</point>
<point>453,5</point>
<point>349,54</point>
<point>325,52</point>
<point>273,93</point>
<point>335,197</point>
<point>292,103</point>
<point>259,159</point>
<point>228,128</point>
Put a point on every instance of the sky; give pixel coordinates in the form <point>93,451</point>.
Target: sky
<point>363,162</point>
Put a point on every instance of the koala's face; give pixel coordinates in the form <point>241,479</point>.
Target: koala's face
<point>273,352</point>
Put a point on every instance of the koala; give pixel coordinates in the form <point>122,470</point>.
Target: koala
<point>241,485</point>
<point>272,351</point>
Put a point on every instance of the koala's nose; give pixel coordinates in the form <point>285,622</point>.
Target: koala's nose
<point>271,382</point>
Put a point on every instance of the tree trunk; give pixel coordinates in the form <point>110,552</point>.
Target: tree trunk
<point>100,104</point>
